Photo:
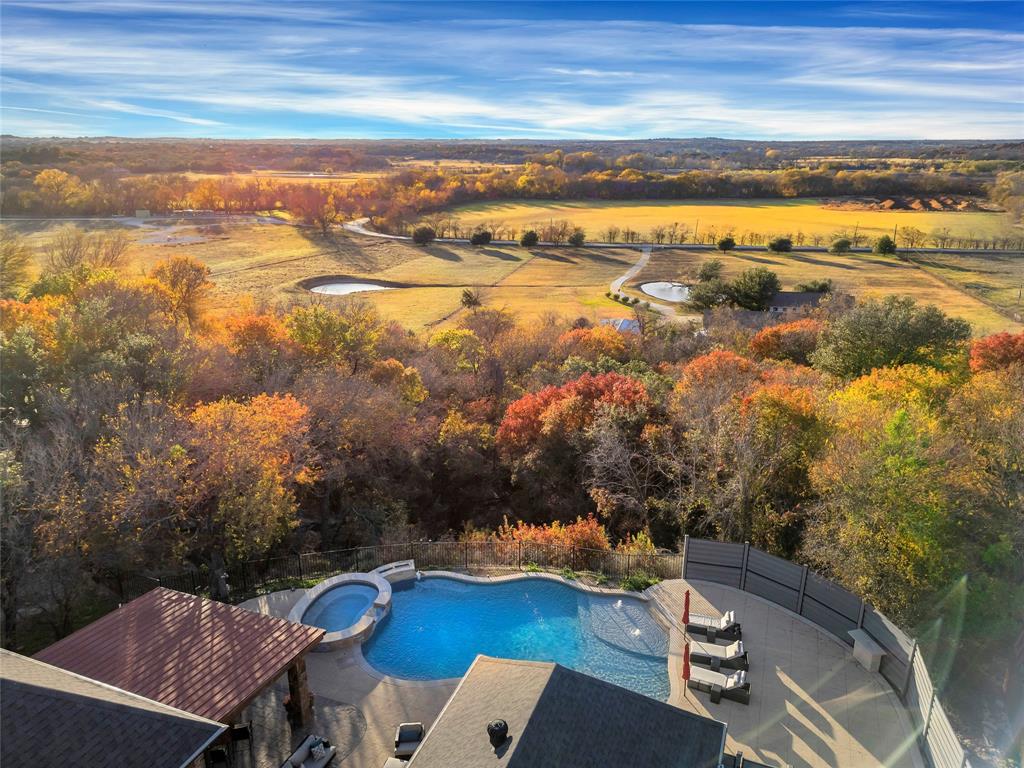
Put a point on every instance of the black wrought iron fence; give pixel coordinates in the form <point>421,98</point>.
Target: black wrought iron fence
<point>255,577</point>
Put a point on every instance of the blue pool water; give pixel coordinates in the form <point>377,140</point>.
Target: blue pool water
<point>438,626</point>
<point>341,607</point>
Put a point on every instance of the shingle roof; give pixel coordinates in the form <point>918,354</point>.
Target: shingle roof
<point>559,718</point>
<point>198,655</point>
<point>51,717</point>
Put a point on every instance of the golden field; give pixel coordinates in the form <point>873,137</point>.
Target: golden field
<point>269,264</point>
<point>863,275</point>
<point>765,217</point>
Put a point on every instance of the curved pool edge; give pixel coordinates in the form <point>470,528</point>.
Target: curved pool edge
<point>362,628</point>
<point>368,668</point>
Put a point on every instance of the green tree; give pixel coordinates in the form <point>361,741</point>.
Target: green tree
<point>884,245</point>
<point>709,293</point>
<point>470,298</point>
<point>329,337</point>
<point>726,244</point>
<point>780,245</point>
<point>577,238</point>
<point>483,237</point>
<point>754,288</point>
<point>710,270</point>
<point>816,286</point>
<point>529,239</point>
<point>839,245</point>
<point>423,235</point>
<point>894,331</point>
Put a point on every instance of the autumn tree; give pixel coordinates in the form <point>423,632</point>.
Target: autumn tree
<point>893,331</point>
<point>793,341</point>
<point>999,350</point>
<point>330,337</point>
<point>188,287</point>
<point>15,263</point>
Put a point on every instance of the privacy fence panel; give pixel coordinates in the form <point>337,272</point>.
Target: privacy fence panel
<point>896,644</point>
<point>940,742</point>
<point>774,579</point>
<point>717,561</point>
<point>830,606</point>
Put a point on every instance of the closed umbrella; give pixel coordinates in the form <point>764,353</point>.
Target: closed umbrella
<point>686,662</point>
<point>686,608</point>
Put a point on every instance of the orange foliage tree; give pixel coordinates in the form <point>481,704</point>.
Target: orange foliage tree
<point>1000,350</point>
<point>787,341</point>
<point>593,343</point>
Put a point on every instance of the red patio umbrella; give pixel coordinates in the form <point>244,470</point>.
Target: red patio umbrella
<point>686,608</point>
<point>686,662</point>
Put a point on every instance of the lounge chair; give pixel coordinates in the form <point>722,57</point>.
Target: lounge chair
<point>303,756</point>
<point>725,627</point>
<point>407,738</point>
<point>713,656</point>
<point>734,687</point>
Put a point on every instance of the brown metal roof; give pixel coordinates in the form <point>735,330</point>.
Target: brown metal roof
<point>201,656</point>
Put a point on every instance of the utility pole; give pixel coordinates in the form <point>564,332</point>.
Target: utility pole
<point>695,227</point>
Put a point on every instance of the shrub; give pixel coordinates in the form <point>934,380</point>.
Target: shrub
<point>726,244</point>
<point>532,567</point>
<point>529,239</point>
<point>842,245</point>
<point>638,581</point>
<point>568,573</point>
<point>578,237</point>
<point>482,237</point>
<point>710,270</point>
<point>816,286</point>
<point>423,235</point>
<point>780,245</point>
<point>754,288</point>
<point>884,245</point>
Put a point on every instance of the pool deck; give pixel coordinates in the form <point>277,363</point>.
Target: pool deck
<point>811,704</point>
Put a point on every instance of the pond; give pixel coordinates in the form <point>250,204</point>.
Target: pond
<point>342,288</point>
<point>666,291</point>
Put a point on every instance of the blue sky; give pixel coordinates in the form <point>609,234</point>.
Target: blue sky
<point>281,68</point>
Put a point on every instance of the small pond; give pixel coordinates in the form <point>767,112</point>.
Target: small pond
<point>344,287</point>
<point>666,291</point>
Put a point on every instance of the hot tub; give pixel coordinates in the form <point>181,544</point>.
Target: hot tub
<point>348,606</point>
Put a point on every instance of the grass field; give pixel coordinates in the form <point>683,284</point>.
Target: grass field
<point>272,262</point>
<point>774,217</point>
<point>862,275</point>
<point>995,278</point>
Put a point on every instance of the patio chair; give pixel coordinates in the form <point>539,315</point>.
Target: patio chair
<point>717,657</point>
<point>726,627</point>
<point>734,687</point>
<point>407,738</point>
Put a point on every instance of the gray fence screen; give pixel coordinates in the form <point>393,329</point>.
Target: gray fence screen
<point>837,611</point>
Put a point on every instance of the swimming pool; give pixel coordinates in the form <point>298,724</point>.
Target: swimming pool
<point>437,626</point>
<point>341,607</point>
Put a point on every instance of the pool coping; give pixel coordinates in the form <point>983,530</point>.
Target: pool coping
<point>357,649</point>
<point>360,629</point>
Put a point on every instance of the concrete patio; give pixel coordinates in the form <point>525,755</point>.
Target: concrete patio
<point>811,704</point>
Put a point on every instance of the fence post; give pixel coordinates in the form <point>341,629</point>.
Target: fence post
<point>357,559</point>
<point>572,557</point>
<point>860,616</point>
<point>519,559</point>
<point>298,557</point>
<point>928,719</point>
<point>629,561</point>
<point>686,550</point>
<point>910,672</point>
<point>743,567</point>
<point>412,551</point>
<point>465,554</point>
<point>803,589</point>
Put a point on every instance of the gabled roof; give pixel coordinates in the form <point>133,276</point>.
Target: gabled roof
<point>559,718</point>
<point>201,656</point>
<point>51,717</point>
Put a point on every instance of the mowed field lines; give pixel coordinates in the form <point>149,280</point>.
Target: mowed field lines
<point>862,275</point>
<point>775,217</point>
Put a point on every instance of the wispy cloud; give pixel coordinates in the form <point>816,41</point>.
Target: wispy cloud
<point>269,68</point>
